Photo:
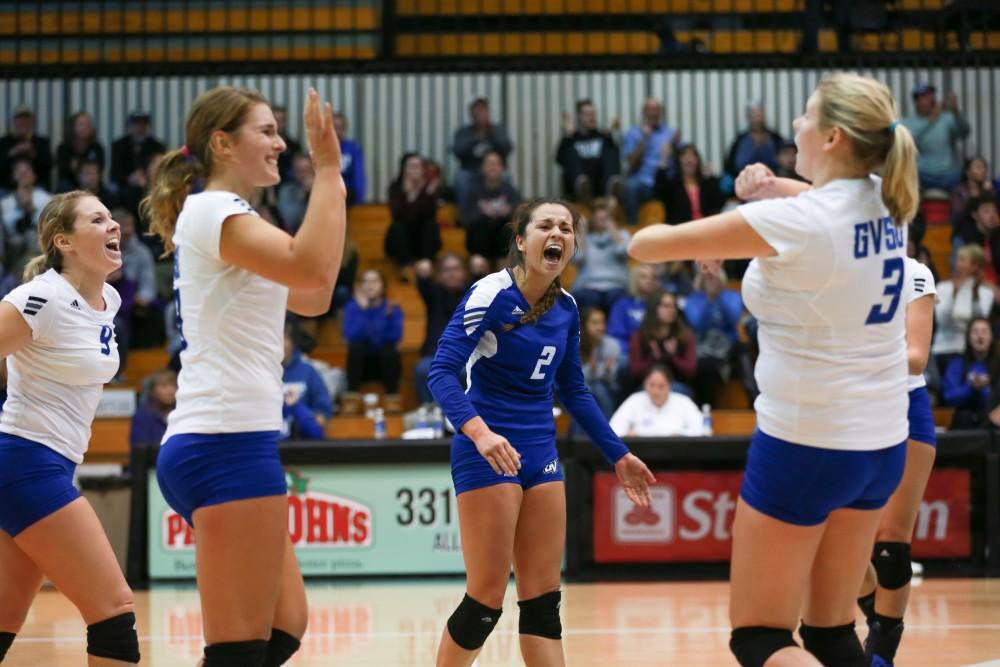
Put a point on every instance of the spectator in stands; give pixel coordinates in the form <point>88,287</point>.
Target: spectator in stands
<point>982,227</point>
<point>292,147</point>
<point>714,312</point>
<point>644,150</point>
<point>348,275</point>
<point>80,145</point>
<point>589,158</point>
<point>968,378</point>
<point>628,312</point>
<point>441,297</point>
<point>936,129</point>
<point>601,259</point>
<point>690,193</point>
<point>307,405</point>
<point>373,327</point>
<point>21,143</point>
<point>787,155</point>
<point>156,401</point>
<point>664,338</point>
<point>601,357</point>
<point>473,142</point>
<point>678,279</point>
<point>89,178</point>
<point>126,288</point>
<point>486,210</point>
<point>960,300</point>
<point>130,154</point>
<point>976,182</point>
<point>918,251</point>
<point>293,193</point>
<point>656,411</point>
<point>413,234</point>
<point>139,266</point>
<point>352,162</point>
<point>758,143</point>
<point>19,210</point>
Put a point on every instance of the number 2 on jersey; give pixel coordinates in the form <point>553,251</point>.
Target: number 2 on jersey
<point>892,271</point>
<point>548,353</point>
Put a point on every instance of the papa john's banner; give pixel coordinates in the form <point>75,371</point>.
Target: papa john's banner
<point>348,519</point>
<point>691,515</point>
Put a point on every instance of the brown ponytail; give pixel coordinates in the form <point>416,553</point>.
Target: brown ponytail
<point>223,108</point>
<point>518,226</point>
<point>866,111</point>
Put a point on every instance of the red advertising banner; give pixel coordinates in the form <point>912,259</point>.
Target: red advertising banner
<point>691,515</point>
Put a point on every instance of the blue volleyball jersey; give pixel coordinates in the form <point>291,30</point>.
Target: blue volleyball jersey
<point>511,368</point>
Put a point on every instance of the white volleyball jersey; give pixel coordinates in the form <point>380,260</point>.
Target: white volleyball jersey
<point>919,283</point>
<point>232,326</point>
<point>54,383</point>
<point>832,368</point>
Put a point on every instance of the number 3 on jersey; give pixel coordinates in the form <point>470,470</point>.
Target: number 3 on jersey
<point>892,271</point>
<point>548,353</point>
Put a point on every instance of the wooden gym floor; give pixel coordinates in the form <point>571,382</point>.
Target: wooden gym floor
<point>952,623</point>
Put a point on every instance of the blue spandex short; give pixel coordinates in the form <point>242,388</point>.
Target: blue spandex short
<point>802,485</point>
<point>35,481</point>
<point>469,470</point>
<point>921,417</point>
<point>197,470</point>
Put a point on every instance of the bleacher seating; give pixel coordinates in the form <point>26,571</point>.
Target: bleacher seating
<point>366,227</point>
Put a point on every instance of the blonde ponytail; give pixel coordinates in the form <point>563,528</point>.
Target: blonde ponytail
<point>37,266</point>
<point>900,184</point>
<point>866,112</point>
<point>175,179</point>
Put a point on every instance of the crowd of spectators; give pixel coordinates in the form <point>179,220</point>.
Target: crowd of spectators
<point>657,342</point>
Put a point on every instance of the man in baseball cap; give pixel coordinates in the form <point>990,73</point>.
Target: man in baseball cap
<point>936,129</point>
<point>22,143</point>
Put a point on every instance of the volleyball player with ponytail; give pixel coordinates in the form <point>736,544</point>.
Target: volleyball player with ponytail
<point>826,287</point>
<point>57,332</point>
<point>234,277</point>
<point>516,336</point>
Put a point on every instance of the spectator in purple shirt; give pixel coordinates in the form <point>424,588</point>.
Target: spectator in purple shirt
<point>159,396</point>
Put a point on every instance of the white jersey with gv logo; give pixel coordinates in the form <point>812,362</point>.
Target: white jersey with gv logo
<point>54,383</point>
<point>231,321</point>
<point>832,370</point>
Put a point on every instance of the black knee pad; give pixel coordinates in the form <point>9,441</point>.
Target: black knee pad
<point>250,653</point>
<point>753,645</point>
<point>471,623</point>
<point>280,648</point>
<point>6,639</point>
<point>838,646</point>
<point>540,616</point>
<point>114,638</point>
<point>893,566</point>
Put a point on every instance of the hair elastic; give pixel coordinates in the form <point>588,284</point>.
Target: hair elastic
<point>893,125</point>
<point>185,151</point>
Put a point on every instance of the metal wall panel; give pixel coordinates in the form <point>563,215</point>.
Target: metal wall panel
<point>393,113</point>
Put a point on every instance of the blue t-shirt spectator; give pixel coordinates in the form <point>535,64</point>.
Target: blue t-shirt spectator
<point>721,313</point>
<point>307,400</point>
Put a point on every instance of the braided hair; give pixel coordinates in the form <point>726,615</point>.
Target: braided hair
<point>518,227</point>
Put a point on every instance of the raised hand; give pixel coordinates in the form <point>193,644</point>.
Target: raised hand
<point>635,478</point>
<point>324,146</point>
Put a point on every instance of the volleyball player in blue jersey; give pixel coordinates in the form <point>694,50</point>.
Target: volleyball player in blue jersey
<point>516,336</point>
